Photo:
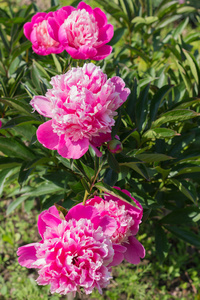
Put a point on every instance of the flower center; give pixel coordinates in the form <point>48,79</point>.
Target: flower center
<point>81,29</point>
<point>43,37</point>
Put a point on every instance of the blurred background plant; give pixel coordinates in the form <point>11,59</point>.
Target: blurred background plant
<point>156,52</point>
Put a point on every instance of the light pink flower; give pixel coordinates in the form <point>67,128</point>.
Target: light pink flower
<point>127,218</point>
<point>37,32</point>
<point>83,32</point>
<point>74,253</point>
<point>82,105</point>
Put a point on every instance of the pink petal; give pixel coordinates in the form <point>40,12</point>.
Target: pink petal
<point>117,259</point>
<point>43,105</point>
<point>48,218</point>
<point>102,52</point>
<point>105,34</point>
<point>134,252</point>
<point>97,141</point>
<point>46,136</point>
<point>27,30</point>
<point>83,5</point>
<point>70,149</point>
<point>82,212</point>
<point>100,17</point>
<point>53,28</point>
<point>89,52</point>
<point>39,17</point>
<point>108,225</point>
<point>119,87</point>
<point>63,13</point>
<point>97,152</point>
<point>119,254</point>
<point>27,255</point>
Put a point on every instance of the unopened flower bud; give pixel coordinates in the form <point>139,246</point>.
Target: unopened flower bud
<point>115,146</point>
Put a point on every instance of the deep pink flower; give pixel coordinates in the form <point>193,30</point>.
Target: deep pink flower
<point>37,32</point>
<point>83,32</point>
<point>82,105</point>
<point>74,253</point>
<point>127,218</point>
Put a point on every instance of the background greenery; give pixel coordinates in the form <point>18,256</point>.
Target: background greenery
<point>156,52</point>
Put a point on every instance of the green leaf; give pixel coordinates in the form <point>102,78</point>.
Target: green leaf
<point>192,65</point>
<point>137,168</point>
<point>166,8</point>
<point>18,104</point>
<point>16,203</point>
<point>182,215</point>
<point>57,64</point>
<point>159,133</point>
<point>44,189</point>
<point>114,192</point>
<point>118,33</point>
<point>88,171</point>
<point>113,163</point>
<point>20,49</point>
<point>157,100</point>
<point>188,170</point>
<point>23,174</point>
<point>20,120</point>
<point>185,234</point>
<point>3,175</point>
<point>179,29</point>
<point>168,21</point>
<point>153,157</point>
<point>161,242</point>
<point>183,189</point>
<point>175,116</point>
<point>13,148</point>
<point>188,104</point>
<point>142,108</point>
<point>4,39</point>
<point>9,162</point>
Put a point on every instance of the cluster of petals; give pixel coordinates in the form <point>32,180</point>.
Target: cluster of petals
<point>74,253</point>
<point>127,219</point>
<point>82,32</point>
<point>82,105</point>
<point>77,251</point>
<point>37,32</point>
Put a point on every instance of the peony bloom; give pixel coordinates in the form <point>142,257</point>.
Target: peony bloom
<point>127,218</point>
<point>37,32</point>
<point>74,252</point>
<point>81,104</point>
<point>83,32</point>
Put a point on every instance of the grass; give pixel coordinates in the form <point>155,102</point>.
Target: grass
<point>176,278</point>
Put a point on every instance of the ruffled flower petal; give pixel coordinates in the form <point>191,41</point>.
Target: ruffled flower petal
<point>46,136</point>
<point>135,251</point>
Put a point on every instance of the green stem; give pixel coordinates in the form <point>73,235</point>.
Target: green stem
<point>85,197</point>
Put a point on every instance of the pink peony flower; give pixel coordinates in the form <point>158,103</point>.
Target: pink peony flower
<point>82,105</point>
<point>127,218</point>
<point>83,32</point>
<point>37,32</point>
<point>74,253</point>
